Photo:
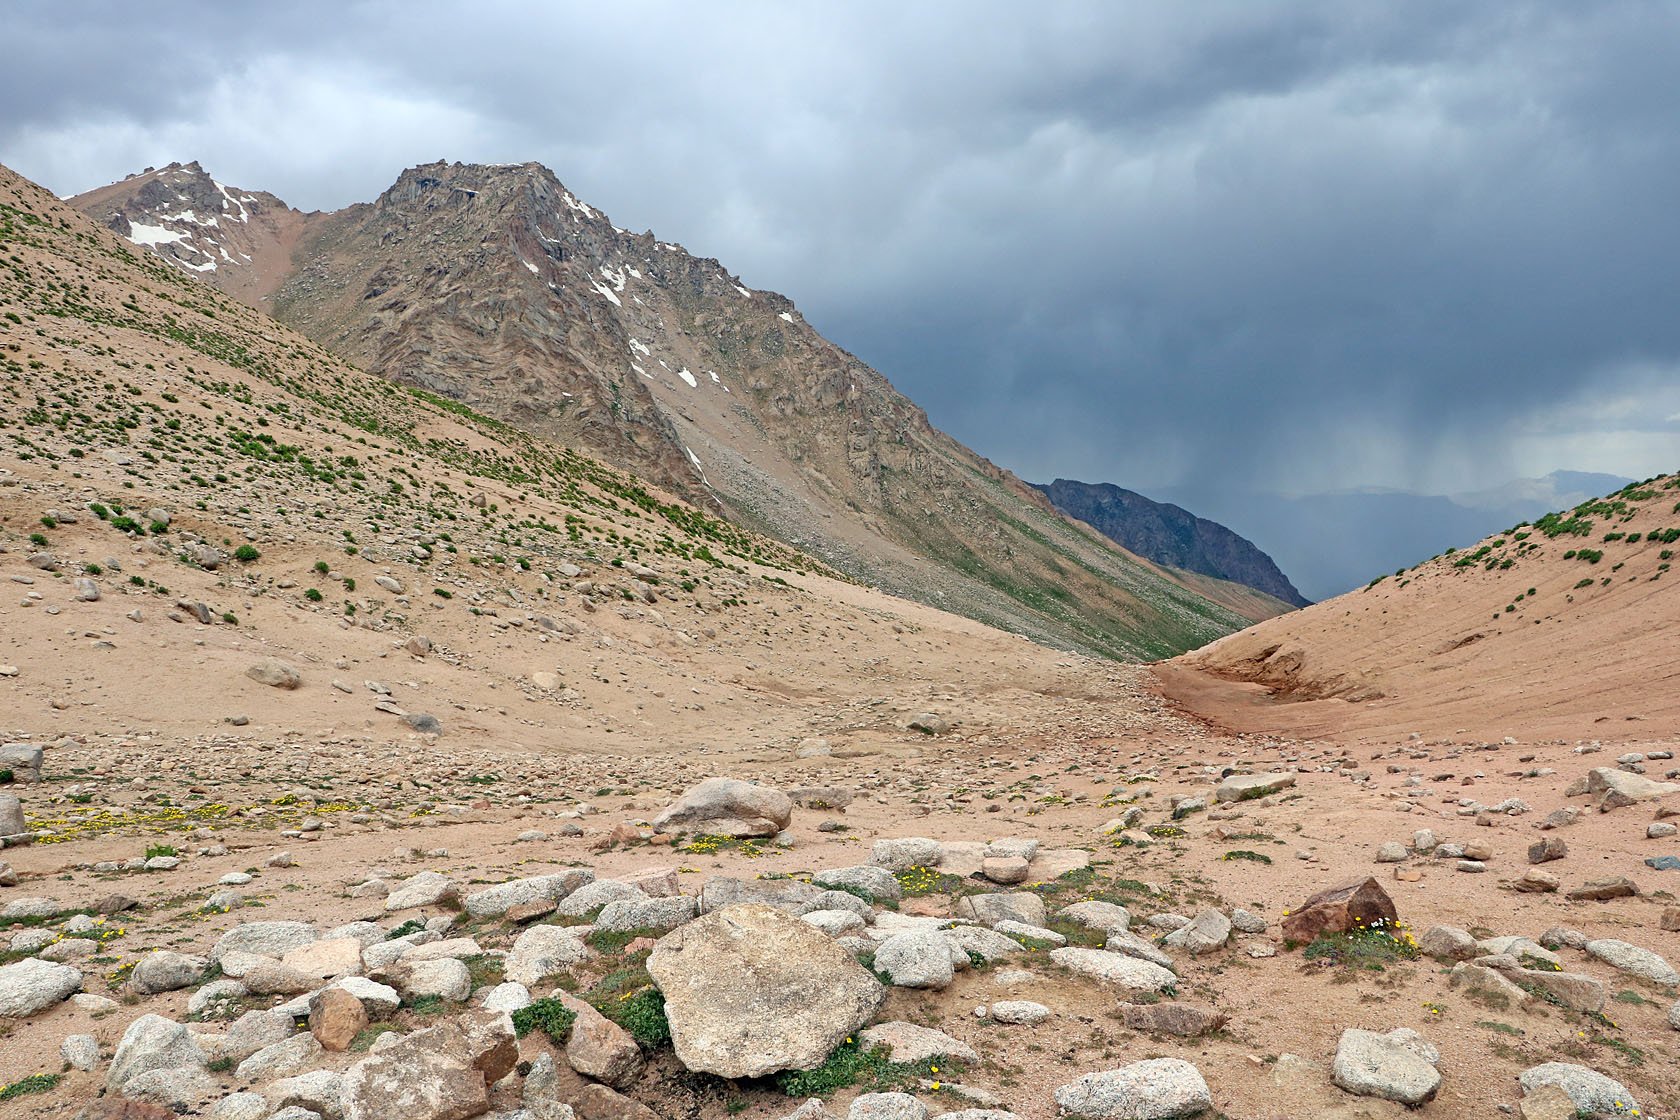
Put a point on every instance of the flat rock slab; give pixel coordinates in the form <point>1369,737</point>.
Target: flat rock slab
<point>1158,1089</point>
<point>751,990</point>
<point>1116,969</point>
<point>1244,787</point>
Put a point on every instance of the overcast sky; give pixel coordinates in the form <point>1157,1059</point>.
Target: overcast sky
<point>1291,246</point>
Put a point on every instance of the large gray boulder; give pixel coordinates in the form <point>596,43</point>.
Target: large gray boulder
<point>1592,1092</point>
<point>541,951</point>
<point>905,852</point>
<point>499,899</point>
<point>1115,969</point>
<point>793,895</point>
<point>877,882</point>
<point>164,971</point>
<point>1009,906</point>
<point>1634,961</point>
<point>1105,917</point>
<point>1158,1089</point>
<point>28,987</point>
<point>1613,788</point>
<point>751,990</point>
<point>11,817</point>
<point>649,913</point>
<point>441,1073</point>
<point>593,896</point>
<point>1208,933</point>
<point>274,673</point>
<point>152,1042</point>
<point>264,939</point>
<point>727,807</point>
<point>1398,1066</point>
<point>919,959</point>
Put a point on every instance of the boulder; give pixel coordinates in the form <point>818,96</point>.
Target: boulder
<point>499,899</point>
<point>1611,788</point>
<point>792,895</point>
<point>1448,941</point>
<point>1592,1092</point>
<point>1243,787</point>
<point>886,1106</point>
<point>1019,1012</point>
<point>274,673</point>
<point>1358,903</point>
<point>164,971</point>
<point>920,959</point>
<point>727,807</point>
<point>904,853</point>
<point>30,986</point>
<point>750,990</point>
<point>1546,849</point>
<point>600,1048</point>
<point>1398,1066</point>
<point>326,958</point>
<point>593,896</point>
<point>1103,916</point>
<point>1157,1089</point>
<point>150,1043</point>
<point>1116,969</point>
<point>1208,933</point>
<point>441,1073</point>
<point>425,889</point>
<point>1008,906</point>
<point>1603,890</point>
<point>648,913</point>
<point>264,939</point>
<point>335,1019</point>
<point>542,951</point>
<point>1634,961</point>
<point>876,882</point>
<point>1182,1019</point>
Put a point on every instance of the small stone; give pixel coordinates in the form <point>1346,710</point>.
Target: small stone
<point>1546,849</point>
<point>274,673</point>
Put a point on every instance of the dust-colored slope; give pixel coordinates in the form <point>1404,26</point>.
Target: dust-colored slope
<point>1570,626</point>
<point>497,287</point>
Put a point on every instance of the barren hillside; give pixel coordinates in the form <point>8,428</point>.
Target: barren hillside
<point>1568,626</point>
<point>497,287</point>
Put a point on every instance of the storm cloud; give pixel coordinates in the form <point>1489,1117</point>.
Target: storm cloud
<point>1216,247</point>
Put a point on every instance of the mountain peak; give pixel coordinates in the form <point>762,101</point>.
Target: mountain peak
<point>496,286</point>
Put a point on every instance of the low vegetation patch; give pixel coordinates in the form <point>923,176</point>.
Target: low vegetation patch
<point>547,1015</point>
<point>1369,949</point>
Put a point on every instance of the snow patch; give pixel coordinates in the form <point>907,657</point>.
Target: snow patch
<point>207,266</point>
<point>528,265</point>
<point>715,380</point>
<point>743,291</point>
<point>153,235</point>
<point>785,317</point>
<point>606,291</point>
<point>640,370</point>
<point>688,377</point>
<point>637,346</point>
<point>243,216</point>
<point>695,459</point>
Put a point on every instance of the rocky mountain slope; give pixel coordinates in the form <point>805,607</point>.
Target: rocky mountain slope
<point>367,758</point>
<point>495,286</point>
<point>1170,535</point>
<point>1571,623</point>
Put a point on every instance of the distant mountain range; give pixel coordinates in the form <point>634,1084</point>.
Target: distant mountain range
<point>1334,542</point>
<point>495,286</point>
<point>1171,535</point>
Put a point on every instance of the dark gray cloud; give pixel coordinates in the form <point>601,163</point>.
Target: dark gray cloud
<point>1286,247</point>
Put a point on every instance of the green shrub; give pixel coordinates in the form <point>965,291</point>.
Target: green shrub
<point>315,596</point>
<point>126,525</point>
<point>161,850</point>
<point>547,1015</point>
<point>40,1083</point>
<point>245,554</point>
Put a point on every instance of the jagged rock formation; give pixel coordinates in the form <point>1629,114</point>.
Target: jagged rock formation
<point>1171,535</point>
<point>497,287</point>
